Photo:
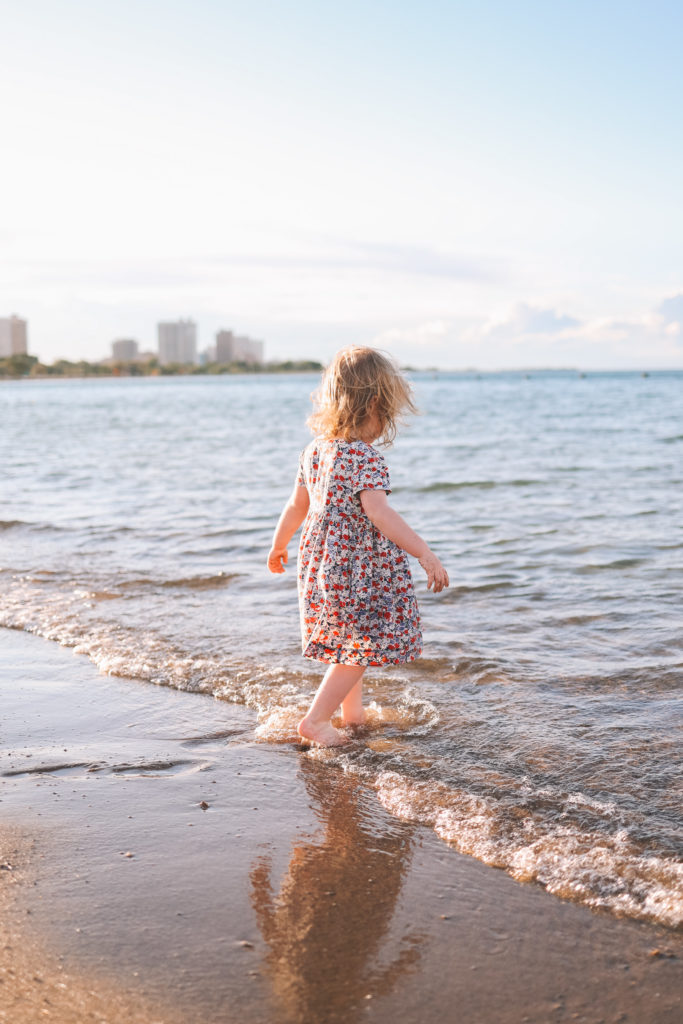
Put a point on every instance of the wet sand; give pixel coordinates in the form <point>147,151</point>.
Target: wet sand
<point>292,896</point>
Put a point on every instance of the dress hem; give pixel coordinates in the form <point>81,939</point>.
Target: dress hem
<point>381,662</point>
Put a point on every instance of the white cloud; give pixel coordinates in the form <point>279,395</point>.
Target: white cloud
<point>525,319</point>
<point>541,336</point>
<point>646,340</point>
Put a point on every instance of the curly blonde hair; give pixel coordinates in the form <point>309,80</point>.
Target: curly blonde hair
<point>359,382</point>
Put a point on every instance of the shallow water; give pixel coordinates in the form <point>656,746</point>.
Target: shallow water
<point>540,732</point>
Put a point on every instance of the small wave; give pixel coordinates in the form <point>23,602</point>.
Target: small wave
<point>619,563</point>
<point>446,485</point>
<point>10,524</point>
<point>606,870</point>
<point>578,620</point>
<point>481,671</point>
<point>209,582</point>
<point>147,655</point>
<point>235,531</point>
<point>456,485</point>
<point>671,440</point>
<point>133,587</point>
<point>454,594</point>
<point>15,524</point>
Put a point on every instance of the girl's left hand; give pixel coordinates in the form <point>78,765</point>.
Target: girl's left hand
<point>277,559</point>
<point>437,577</point>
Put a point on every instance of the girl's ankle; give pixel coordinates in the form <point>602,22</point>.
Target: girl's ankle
<point>356,717</point>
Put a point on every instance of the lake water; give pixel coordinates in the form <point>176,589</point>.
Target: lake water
<point>540,732</point>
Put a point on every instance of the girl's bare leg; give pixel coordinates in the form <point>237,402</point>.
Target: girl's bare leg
<point>337,683</point>
<point>353,712</point>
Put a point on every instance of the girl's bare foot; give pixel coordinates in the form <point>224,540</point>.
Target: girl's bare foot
<point>321,732</point>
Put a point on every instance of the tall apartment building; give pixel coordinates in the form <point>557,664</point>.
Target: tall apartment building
<point>225,347</point>
<point>124,349</point>
<point>13,336</point>
<point>232,348</point>
<point>177,342</point>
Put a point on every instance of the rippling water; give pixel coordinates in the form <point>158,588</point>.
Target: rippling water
<point>540,732</point>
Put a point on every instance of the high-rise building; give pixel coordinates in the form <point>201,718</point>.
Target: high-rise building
<point>225,347</point>
<point>177,342</point>
<point>124,349</point>
<point>13,336</point>
<point>233,348</point>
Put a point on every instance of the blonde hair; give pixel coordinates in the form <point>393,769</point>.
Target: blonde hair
<point>359,382</point>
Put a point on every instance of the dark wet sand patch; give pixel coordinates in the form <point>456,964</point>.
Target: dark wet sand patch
<point>47,769</point>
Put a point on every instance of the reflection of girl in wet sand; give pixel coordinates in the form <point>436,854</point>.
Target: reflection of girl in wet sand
<point>356,595</point>
<point>327,925</point>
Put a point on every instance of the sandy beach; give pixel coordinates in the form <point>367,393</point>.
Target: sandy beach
<point>159,864</point>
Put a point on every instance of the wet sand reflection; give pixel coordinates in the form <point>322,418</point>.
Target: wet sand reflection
<point>327,926</point>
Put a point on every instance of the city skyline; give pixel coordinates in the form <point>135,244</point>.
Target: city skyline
<point>491,186</point>
<point>177,343</point>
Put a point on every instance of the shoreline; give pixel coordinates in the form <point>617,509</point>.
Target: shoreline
<point>156,376</point>
<point>293,896</point>
<point>522,372</point>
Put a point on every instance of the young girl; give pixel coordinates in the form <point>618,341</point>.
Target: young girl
<point>356,595</point>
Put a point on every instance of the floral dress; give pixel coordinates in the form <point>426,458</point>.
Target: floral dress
<point>356,594</point>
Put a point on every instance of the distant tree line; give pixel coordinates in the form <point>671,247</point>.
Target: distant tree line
<point>13,367</point>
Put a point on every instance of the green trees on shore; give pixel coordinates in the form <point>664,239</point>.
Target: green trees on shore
<point>18,366</point>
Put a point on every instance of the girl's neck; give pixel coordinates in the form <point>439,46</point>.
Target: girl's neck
<point>370,429</point>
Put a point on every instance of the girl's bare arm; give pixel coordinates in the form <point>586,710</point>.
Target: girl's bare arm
<point>293,515</point>
<point>392,525</point>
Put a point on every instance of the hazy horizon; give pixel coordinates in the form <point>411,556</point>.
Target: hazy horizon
<point>490,185</point>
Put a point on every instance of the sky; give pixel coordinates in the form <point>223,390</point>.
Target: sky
<point>491,184</point>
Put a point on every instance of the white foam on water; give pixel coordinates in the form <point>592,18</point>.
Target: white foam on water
<point>601,870</point>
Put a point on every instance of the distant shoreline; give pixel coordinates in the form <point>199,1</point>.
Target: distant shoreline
<point>25,367</point>
<point>75,371</point>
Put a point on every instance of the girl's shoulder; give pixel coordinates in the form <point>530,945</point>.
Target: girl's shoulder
<point>318,444</point>
<point>365,451</point>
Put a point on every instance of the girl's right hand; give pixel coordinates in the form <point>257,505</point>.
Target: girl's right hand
<point>437,577</point>
<point>276,558</point>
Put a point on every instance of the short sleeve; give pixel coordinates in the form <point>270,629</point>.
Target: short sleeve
<point>301,474</point>
<point>368,470</point>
